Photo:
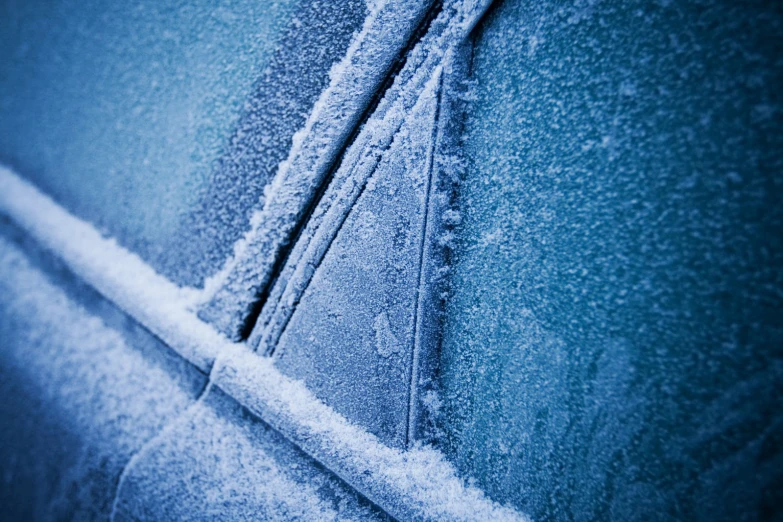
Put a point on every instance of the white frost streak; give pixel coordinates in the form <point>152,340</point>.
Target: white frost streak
<point>120,275</point>
<point>416,484</point>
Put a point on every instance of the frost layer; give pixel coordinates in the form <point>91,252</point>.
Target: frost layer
<point>82,388</point>
<point>613,347</point>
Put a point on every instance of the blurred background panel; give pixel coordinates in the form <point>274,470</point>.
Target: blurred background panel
<point>162,121</point>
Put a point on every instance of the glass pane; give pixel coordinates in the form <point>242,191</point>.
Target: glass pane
<point>350,335</point>
<point>129,112</point>
<point>613,346</point>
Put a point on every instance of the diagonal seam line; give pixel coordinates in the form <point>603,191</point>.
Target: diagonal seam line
<point>413,369</point>
<point>275,306</point>
<point>184,415</point>
<point>349,205</point>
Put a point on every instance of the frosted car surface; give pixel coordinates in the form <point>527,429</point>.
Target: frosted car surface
<point>614,327</point>
<point>162,122</point>
<point>403,259</point>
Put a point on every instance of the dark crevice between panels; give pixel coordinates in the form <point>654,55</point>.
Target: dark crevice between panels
<point>287,248</point>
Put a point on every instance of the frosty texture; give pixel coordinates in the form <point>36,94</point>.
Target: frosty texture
<point>161,122</point>
<point>613,342</point>
<point>82,388</point>
<point>220,462</point>
<point>65,349</point>
<point>354,84</point>
<point>351,336</point>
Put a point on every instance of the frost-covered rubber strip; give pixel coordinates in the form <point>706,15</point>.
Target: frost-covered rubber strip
<point>354,82</point>
<point>119,275</point>
<point>418,484</point>
<point>445,33</point>
<point>240,285</point>
<point>359,165</point>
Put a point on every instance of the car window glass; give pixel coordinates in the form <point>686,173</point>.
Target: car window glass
<point>613,283</point>
<point>146,118</point>
<point>350,337</point>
